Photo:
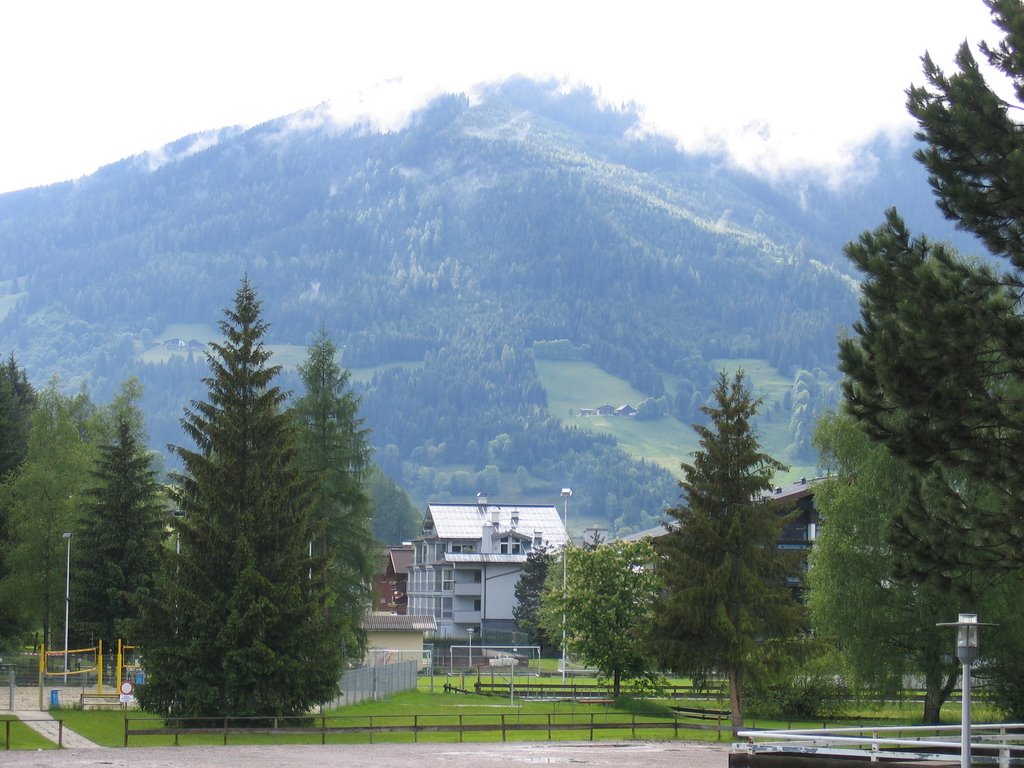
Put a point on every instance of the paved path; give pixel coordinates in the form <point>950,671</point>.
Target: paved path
<point>629,754</point>
<point>26,708</point>
<point>44,724</point>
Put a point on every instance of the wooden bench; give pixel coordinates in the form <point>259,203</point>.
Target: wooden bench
<point>99,700</point>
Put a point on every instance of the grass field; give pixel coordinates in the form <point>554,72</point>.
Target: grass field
<point>22,737</point>
<point>574,384</point>
<point>7,303</point>
<point>439,708</point>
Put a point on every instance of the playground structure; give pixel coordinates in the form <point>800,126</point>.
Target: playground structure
<point>86,670</point>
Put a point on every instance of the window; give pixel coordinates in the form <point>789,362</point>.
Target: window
<point>447,580</point>
<point>446,608</point>
<point>510,546</point>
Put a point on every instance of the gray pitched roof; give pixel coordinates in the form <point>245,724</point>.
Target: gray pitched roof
<point>466,521</point>
<point>393,622</point>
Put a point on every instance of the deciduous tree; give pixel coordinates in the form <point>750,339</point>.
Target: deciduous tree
<point>42,496</point>
<point>884,626</point>
<point>609,599</point>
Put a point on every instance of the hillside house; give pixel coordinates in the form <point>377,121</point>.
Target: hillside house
<point>468,559</point>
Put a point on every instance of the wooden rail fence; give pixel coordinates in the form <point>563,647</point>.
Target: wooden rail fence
<point>375,725</point>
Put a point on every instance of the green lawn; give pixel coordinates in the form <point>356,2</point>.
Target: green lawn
<point>424,708</point>
<point>22,737</point>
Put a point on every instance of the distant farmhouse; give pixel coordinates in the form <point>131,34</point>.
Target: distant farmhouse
<point>608,410</point>
<point>180,345</point>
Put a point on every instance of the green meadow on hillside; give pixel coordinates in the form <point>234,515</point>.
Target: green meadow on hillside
<point>575,384</point>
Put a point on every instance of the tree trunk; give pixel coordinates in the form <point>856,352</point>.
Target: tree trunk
<point>616,683</point>
<point>736,697</point>
<point>937,691</point>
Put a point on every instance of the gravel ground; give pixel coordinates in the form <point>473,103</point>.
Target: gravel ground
<point>619,754</point>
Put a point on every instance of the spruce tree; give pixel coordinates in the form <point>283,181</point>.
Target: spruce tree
<point>238,626</point>
<point>121,529</point>
<point>335,457</point>
<point>727,585</point>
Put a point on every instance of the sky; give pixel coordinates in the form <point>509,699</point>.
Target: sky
<point>781,84</point>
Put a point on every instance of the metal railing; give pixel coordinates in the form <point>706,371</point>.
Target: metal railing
<point>999,744</point>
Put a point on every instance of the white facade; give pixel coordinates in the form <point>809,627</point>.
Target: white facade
<point>468,559</point>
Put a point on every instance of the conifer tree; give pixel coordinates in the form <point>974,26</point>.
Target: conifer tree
<point>335,456</point>
<point>239,625</point>
<point>934,368</point>
<point>528,594</point>
<point>17,399</point>
<point>726,582</point>
<point>121,529</point>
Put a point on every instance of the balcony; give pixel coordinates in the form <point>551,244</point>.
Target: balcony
<point>467,588</point>
<point>466,617</point>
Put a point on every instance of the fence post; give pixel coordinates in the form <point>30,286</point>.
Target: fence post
<point>503,735</point>
<point>415,729</point>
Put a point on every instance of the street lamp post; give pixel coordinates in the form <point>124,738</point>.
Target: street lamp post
<point>966,651</point>
<point>471,630</point>
<point>67,604</point>
<point>512,679</point>
<point>566,493</point>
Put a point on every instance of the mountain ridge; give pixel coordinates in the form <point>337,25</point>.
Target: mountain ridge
<point>458,241</point>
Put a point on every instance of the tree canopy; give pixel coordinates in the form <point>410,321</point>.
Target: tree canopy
<point>727,585</point>
<point>121,527</point>
<point>934,369</point>
<point>241,623</point>
<point>884,626</point>
<point>608,601</point>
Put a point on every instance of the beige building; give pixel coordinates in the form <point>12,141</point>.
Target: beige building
<point>394,637</point>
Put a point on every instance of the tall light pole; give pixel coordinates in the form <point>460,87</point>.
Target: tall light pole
<point>67,605</point>
<point>566,493</point>
<point>966,651</point>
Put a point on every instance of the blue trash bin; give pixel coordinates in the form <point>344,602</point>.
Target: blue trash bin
<point>55,698</point>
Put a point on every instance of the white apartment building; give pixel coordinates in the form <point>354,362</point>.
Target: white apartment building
<point>468,559</point>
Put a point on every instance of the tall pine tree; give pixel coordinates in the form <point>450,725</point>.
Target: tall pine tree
<point>335,456</point>
<point>934,371</point>
<point>121,528</point>
<point>727,583</point>
<point>238,626</point>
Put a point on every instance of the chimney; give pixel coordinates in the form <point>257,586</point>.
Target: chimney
<point>481,499</point>
<point>486,535</point>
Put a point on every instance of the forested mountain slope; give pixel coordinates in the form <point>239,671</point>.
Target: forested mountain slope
<point>451,246</point>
